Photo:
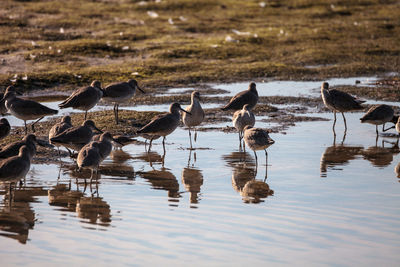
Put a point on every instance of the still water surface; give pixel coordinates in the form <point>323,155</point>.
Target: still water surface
<point>324,202</point>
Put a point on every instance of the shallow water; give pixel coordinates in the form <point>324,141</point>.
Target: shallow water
<point>332,204</point>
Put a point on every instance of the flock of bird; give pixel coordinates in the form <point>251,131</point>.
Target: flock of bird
<point>93,149</point>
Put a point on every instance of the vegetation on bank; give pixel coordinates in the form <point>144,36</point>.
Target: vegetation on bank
<point>65,44</point>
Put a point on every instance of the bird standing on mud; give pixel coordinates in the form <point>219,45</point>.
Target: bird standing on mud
<point>120,92</point>
<point>25,109</point>
<point>84,98</point>
<point>339,101</point>
<point>249,96</point>
<point>76,137</point>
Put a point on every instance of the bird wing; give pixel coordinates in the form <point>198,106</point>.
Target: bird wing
<point>82,97</point>
<point>157,123</point>
<point>116,90</point>
<point>10,168</point>
<point>75,135</point>
<point>343,100</point>
<point>239,100</point>
<point>12,148</point>
<point>27,107</point>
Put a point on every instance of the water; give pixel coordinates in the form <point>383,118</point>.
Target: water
<point>331,204</point>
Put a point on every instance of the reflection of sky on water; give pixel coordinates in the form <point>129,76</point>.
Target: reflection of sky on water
<point>348,217</point>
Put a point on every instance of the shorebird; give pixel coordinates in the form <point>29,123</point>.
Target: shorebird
<point>257,139</point>
<point>378,115</point>
<point>84,98</point>
<point>89,157</point>
<point>242,118</point>
<point>120,92</point>
<point>249,96</point>
<point>76,137</point>
<point>3,109</point>
<point>4,128</point>
<point>339,101</point>
<point>195,115</point>
<point>15,168</point>
<point>163,125</point>
<point>58,128</point>
<point>104,144</point>
<point>27,109</point>
<point>13,149</point>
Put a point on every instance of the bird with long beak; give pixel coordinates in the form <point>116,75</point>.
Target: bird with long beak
<point>120,92</point>
<point>163,125</point>
<point>76,137</point>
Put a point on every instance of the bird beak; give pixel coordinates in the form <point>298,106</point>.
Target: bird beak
<point>116,141</point>
<point>97,129</point>
<point>186,111</point>
<point>44,143</point>
<point>140,89</point>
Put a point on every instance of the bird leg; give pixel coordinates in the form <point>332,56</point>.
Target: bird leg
<point>190,138</point>
<point>255,154</point>
<point>85,114</point>
<point>266,158</point>
<point>376,128</point>
<point>195,134</point>
<point>345,124</point>
<point>334,121</point>
<point>91,178</point>
<point>163,144</point>
<point>383,128</point>
<point>26,128</point>
<point>33,124</point>
<point>116,112</point>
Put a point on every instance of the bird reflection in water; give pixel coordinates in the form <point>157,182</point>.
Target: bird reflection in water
<point>17,219</point>
<point>151,157</point>
<point>163,180</point>
<point>397,170</point>
<point>244,173</point>
<point>92,208</point>
<point>338,155</point>
<point>95,209</point>
<point>380,156</point>
<point>192,180</point>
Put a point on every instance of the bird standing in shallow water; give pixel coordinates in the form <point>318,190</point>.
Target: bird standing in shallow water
<point>163,125</point>
<point>84,98</point>
<point>4,128</point>
<point>27,109</point>
<point>378,115</point>
<point>241,119</point>
<point>120,92</point>
<point>339,101</point>
<point>250,97</point>
<point>195,115</point>
<point>15,168</point>
<point>89,157</point>
<point>257,139</point>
